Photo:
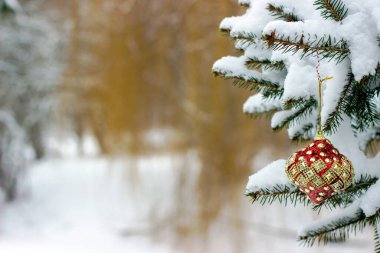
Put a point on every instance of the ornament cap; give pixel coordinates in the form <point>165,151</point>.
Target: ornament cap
<point>319,136</point>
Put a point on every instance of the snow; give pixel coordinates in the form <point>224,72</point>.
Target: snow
<point>294,30</point>
<point>370,202</point>
<point>253,21</point>
<point>268,177</point>
<point>300,81</point>
<point>232,66</point>
<point>302,9</point>
<point>78,205</point>
<point>229,22</point>
<point>350,212</point>
<point>295,129</point>
<point>258,104</point>
<point>360,31</point>
<point>333,88</point>
<point>262,54</point>
<point>97,204</point>
<point>279,118</point>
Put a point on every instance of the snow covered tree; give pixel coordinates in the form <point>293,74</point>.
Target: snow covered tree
<point>281,42</point>
<point>30,64</point>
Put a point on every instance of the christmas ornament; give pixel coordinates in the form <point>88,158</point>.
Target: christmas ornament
<point>319,169</point>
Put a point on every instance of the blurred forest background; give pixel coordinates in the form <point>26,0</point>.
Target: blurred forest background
<point>131,81</point>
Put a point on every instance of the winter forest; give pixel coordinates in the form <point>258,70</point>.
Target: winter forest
<point>147,126</point>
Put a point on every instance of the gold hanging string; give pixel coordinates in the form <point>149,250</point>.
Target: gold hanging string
<point>319,131</point>
<point>320,81</point>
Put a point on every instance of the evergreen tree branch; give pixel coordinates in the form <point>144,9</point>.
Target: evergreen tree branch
<point>356,101</point>
<point>336,230</point>
<point>359,103</point>
<point>346,197</point>
<point>306,133</point>
<point>246,36</point>
<point>279,12</point>
<point>281,193</point>
<point>327,47</point>
<point>247,39</point>
<point>256,115</point>
<point>225,30</point>
<point>247,82</point>
<point>336,116</point>
<point>332,9</point>
<point>285,194</point>
<point>304,109</point>
<point>340,228</point>
<point>255,63</point>
<point>267,88</point>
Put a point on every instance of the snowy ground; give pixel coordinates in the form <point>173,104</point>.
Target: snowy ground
<point>81,205</point>
<point>77,205</point>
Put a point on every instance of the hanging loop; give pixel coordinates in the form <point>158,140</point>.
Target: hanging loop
<point>320,135</point>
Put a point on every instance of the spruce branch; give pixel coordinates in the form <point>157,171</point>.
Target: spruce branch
<point>225,30</point>
<point>247,39</point>
<point>360,105</point>
<point>302,110</point>
<point>295,103</point>
<point>305,133</point>
<point>336,116</point>
<point>346,197</point>
<point>336,230</point>
<point>267,88</point>
<point>327,46</point>
<point>279,12</point>
<point>357,101</point>
<point>281,193</point>
<point>331,9</point>
<point>267,113</point>
<point>255,63</point>
<point>340,228</point>
<point>247,82</point>
<point>285,194</point>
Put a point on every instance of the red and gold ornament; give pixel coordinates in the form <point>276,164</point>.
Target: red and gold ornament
<point>319,169</point>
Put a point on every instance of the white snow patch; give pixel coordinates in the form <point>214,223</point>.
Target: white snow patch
<point>258,104</point>
<point>271,175</point>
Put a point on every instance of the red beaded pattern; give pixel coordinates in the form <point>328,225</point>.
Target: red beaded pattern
<point>319,170</point>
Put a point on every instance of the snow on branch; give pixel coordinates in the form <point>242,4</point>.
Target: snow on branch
<point>271,175</point>
<point>234,67</point>
<point>257,104</point>
<point>271,184</point>
<point>335,228</point>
